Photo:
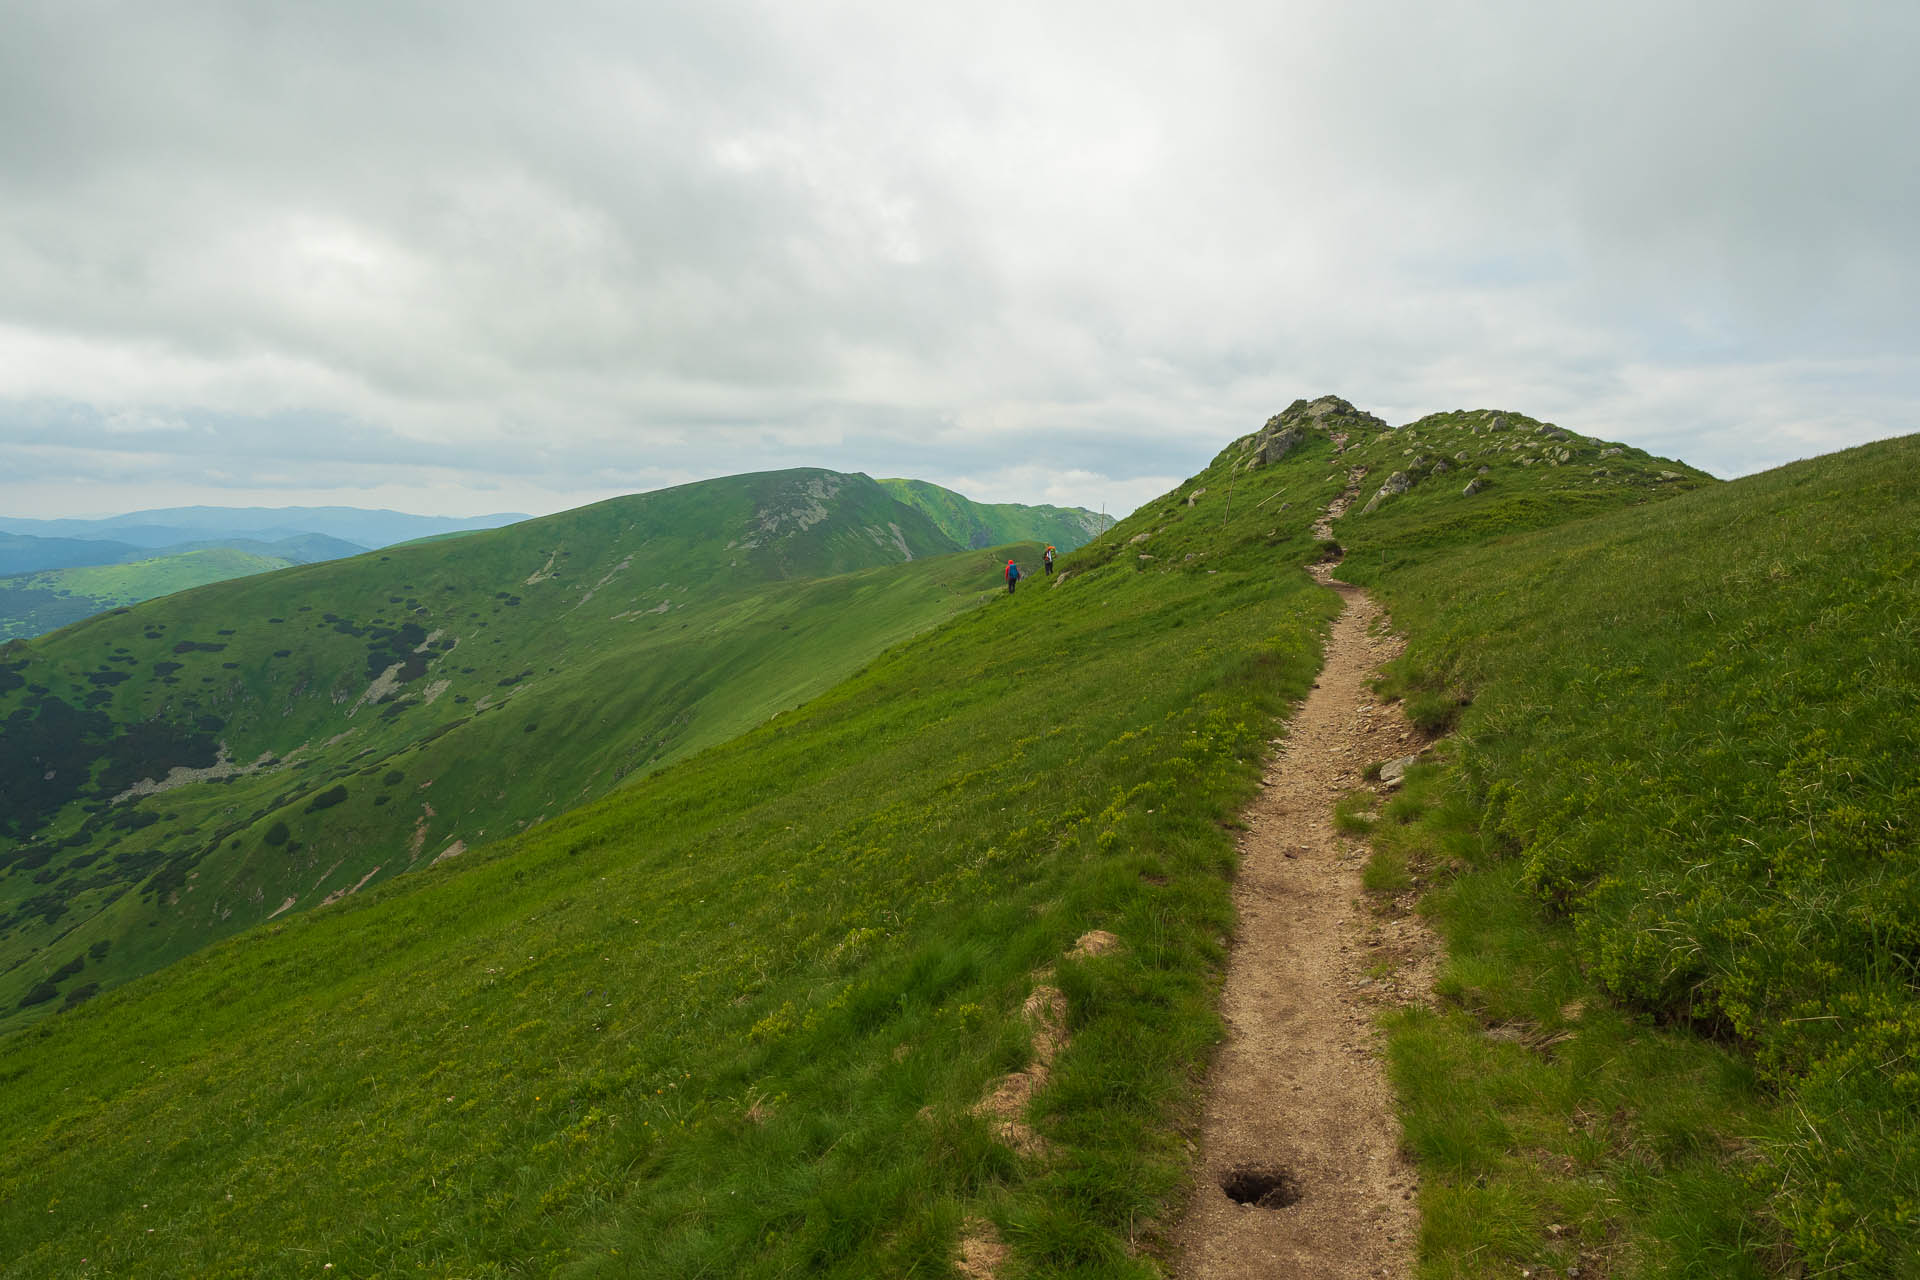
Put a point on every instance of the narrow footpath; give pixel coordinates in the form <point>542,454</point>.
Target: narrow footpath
<point>1300,1171</point>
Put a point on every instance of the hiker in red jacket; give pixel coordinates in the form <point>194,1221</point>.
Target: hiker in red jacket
<point>1013,575</point>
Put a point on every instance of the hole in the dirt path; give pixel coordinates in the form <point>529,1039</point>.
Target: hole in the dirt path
<point>1261,1186</point>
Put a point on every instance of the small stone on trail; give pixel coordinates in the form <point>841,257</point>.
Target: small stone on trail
<point>1394,772</point>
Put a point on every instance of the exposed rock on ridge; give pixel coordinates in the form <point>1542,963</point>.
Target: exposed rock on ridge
<point>1286,430</point>
<point>1397,483</point>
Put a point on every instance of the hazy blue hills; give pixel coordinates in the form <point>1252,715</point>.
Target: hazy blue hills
<point>36,601</point>
<point>27,553</point>
<point>172,526</point>
<point>56,572</point>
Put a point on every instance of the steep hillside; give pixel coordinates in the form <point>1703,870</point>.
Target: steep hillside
<point>175,772</point>
<point>984,524</point>
<point>1684,781</point>
<point>738,1018</point>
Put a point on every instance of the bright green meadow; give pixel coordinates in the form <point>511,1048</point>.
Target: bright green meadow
<point>730,1019</point>
<point>714,991</point>
<point>1679,878</point>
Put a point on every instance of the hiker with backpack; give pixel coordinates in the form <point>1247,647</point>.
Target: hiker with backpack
<point>1013,575</point>
<point>1046,561</point>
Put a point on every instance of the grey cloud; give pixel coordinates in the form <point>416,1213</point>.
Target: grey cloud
<point>615,242</point>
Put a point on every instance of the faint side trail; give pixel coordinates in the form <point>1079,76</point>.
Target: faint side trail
<point>1300,1167</point>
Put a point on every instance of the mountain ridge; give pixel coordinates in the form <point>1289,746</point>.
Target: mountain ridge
<point>739,1016</point>
<point>212,745</point>
<point>982,524</point>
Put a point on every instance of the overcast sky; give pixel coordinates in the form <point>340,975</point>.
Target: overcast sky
<point>479,256</point>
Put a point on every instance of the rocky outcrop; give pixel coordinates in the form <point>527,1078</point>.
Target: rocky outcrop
<point>1397,483</point>
<point>1287,430</point>
<point>1277,445</point>
<point>1474,486</point>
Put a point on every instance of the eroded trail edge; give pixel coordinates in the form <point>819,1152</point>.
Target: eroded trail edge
<point>1300,1169</point>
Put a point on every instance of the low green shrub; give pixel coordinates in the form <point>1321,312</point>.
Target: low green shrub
<point>1354,813</point>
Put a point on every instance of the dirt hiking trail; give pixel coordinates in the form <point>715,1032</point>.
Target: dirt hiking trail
<point>1300,1173</point>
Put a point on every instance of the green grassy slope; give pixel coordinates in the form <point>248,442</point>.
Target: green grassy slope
<point>1685,781</point>
<point>304,548</point>
<point>1526,474</point>
<point>988,524</point>
<point>33,604</point>
<point>178,771</point>
<point>732,1019</point>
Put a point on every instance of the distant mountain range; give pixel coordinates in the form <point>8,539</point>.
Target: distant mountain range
<point>169,527</point>
<point>33,604</point>
<point>55,572</point>
<point>24,553</point>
